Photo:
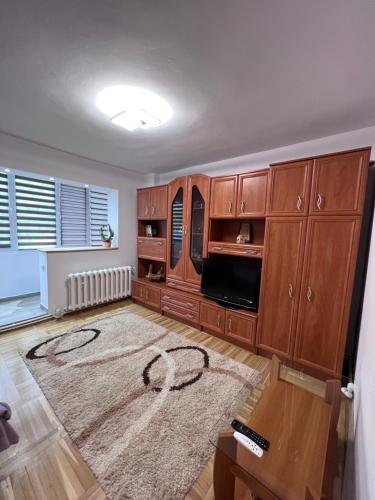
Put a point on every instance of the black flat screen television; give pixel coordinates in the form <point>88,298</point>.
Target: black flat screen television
<point>232,281</point>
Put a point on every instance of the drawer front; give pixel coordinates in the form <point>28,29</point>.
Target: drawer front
<point>183,285</point>
<point>212,318</point>
<point>180,312</point>
<point>180,300</point>
<point>240,327</point>
<point>235,249</point>
<point>153,248</point>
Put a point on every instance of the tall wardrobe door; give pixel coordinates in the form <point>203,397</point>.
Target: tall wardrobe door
<point>281,281</point>
<point>329,266</point>
<point>176,228</point>
<point>198,194</point>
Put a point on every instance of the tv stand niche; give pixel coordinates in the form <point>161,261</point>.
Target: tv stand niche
<point>305,217</point>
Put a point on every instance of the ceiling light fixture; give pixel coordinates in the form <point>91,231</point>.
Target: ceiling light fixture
<point>133,108</point>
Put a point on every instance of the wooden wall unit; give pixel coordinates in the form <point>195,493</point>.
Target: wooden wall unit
<point>305,217</point>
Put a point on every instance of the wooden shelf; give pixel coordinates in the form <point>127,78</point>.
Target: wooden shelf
<point>237,249</point>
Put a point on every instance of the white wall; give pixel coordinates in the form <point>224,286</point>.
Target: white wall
<point>19,273</point>
<point>56,265</point>
<point>349,140</point>
<point>360,469</point>
<point>18,270</point>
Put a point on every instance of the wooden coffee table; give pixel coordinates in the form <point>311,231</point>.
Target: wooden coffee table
<point>301,428</point>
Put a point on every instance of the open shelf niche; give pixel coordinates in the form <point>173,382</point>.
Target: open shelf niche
<point>227,230</point>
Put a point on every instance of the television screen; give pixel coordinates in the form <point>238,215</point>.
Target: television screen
<point>232,281</point>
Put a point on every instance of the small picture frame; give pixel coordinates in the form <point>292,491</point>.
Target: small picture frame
<point>149,230</point>
<point>245,233</point>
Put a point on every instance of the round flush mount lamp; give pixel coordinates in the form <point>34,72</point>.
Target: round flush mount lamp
<point>133,108</point>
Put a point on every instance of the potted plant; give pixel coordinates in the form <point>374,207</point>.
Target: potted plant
<point>106,234</point>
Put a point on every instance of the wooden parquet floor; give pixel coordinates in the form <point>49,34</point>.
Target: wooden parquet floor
<point>45,465</point>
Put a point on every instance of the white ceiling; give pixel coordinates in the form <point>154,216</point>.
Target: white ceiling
<point>242,76</point>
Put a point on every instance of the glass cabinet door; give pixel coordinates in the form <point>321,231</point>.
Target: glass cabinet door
<point>197,229</point>
<point>177,228</point>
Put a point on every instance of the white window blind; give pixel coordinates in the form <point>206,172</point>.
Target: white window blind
<point>36,212</point>
<point>98,214</point>
<point>4,212</point>
<point>73,213</point>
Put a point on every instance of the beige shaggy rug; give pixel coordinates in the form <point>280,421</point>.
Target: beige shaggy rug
<point>139,401</point>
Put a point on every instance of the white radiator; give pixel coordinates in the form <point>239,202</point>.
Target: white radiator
<point>90,288</point>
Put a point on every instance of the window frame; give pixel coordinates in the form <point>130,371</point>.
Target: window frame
<point>113,209</point>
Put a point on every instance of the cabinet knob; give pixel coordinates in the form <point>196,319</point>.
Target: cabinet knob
<point>299,202</point>
<point>290,290</point>
<point>319,201</point>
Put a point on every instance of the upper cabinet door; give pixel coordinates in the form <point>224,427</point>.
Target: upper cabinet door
<point>339,183</point>
<point>289,192</point>
<point>281,283</point>
<point>143,203</point>
<point>327,283</point>
<point>158,202</point>
<point>198,196</point>
<point>176,228</point>
<point>252,194</point>
<point>223,196</point>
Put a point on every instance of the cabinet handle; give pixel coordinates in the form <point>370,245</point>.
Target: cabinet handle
<point>147,294</point>
<point>230,324</point>
<point>158,243</point>
<point>218,319</point>
<point>299,202</point>
<point>166,308</point>
<point>216,248</point>
<point>319,201</point>
<point>242,209</point>
<point>166,297</point>
<point>290,290</point>
<point>141,293</point>
<point>309,294</point>
<point>152,210</point>
<point>189,316</point>
<point>230,207</point>
<point>146,210</point>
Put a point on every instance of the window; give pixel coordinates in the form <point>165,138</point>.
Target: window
<point>40,212</point>
<point>4,212</point>
<point>36,213</point>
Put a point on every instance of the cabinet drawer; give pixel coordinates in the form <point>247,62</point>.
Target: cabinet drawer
<point>235,249</point>
<point>152,248</point>
<point>180,300</point>
<point>212,317</point>
<point>180,312</point>
<point>183,285</point>
<point>240,327</point>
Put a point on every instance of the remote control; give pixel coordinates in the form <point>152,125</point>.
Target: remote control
<point>254,436</point>
<point>248,443</point>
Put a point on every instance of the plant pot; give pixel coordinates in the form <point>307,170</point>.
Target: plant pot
<point>107,243</point>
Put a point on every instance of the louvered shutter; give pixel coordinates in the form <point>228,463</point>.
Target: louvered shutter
<point>98,214</point>
<point>36,213</point>
<point>4,212</point>
<point>73,213</point>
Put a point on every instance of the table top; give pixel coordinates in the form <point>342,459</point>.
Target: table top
<point>297,424</point>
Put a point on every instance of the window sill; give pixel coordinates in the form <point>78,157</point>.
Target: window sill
<point>75,249</point>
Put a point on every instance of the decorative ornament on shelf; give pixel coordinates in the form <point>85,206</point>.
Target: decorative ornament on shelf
<point>151,276</point>
<point>106,234</point>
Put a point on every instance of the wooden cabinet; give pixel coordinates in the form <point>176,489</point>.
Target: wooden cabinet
<point>252,194</point>
<point>240,326</point>
<point>339,182</point>
<point>146,294</point>
<point>327,282</point>
<point>223,196</point>
<point>188,202</point>
<point>152,203</point>
<point>182,306</point>
<point>281,283</point>
<point>152,248</point>
<point>212,317</point>
<point>289,192</point>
